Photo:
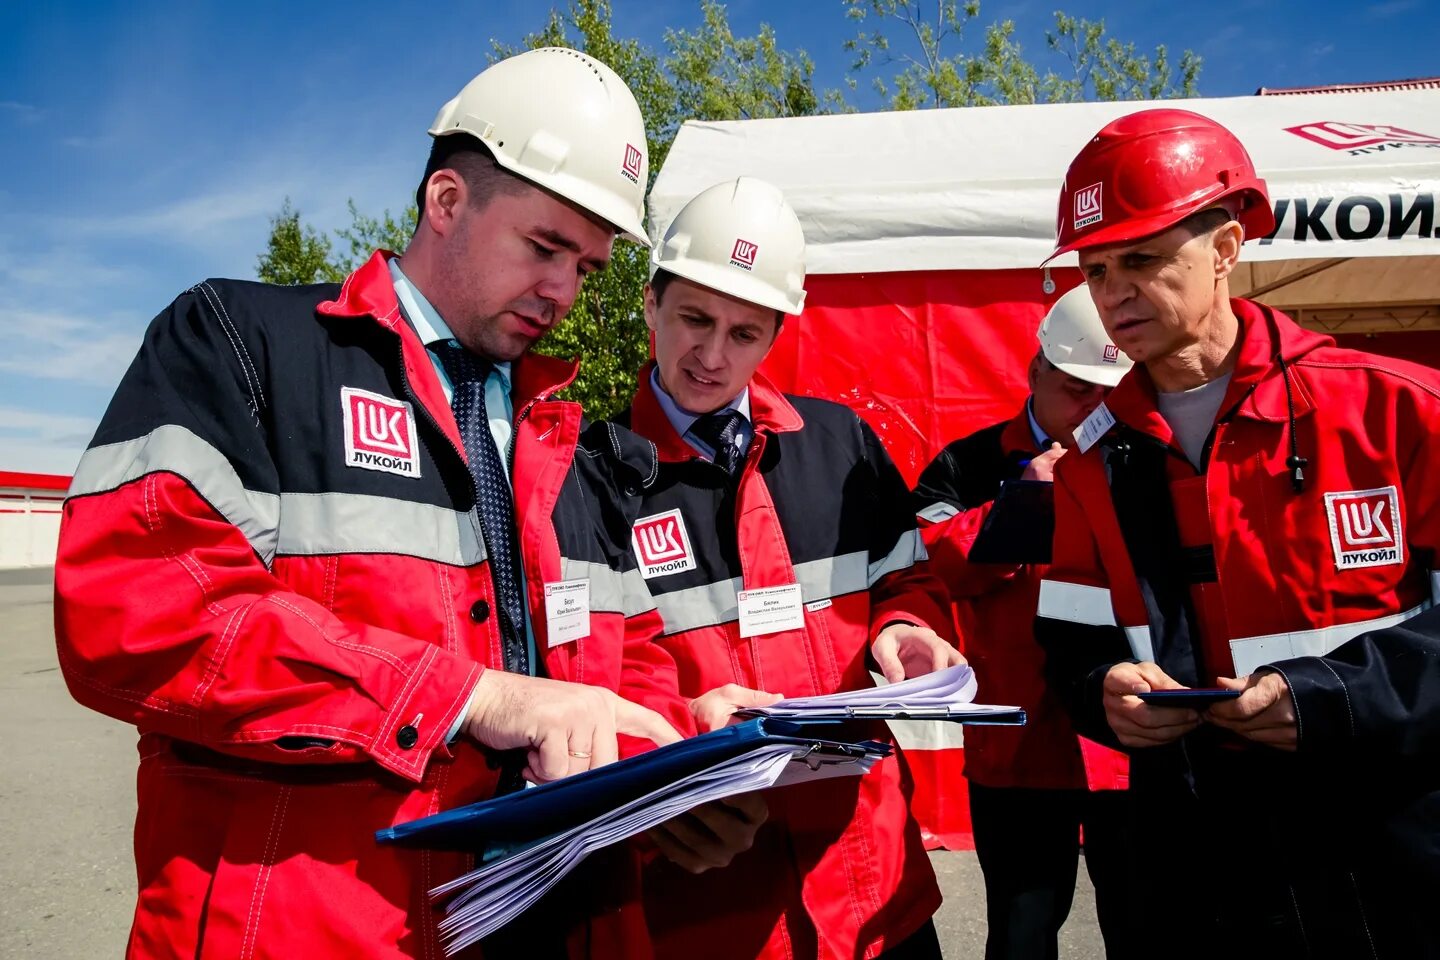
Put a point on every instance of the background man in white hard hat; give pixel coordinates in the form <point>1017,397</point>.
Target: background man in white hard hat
<point>797,562</point>
<point>987,519</point>
<point>290,555</point>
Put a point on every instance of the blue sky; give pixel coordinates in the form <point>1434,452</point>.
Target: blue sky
<point>144,145</point>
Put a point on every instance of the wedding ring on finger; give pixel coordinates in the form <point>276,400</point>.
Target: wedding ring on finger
<point>579,754</point>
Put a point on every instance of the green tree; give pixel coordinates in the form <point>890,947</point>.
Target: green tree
<point>935,70</point>
<point>709,73</point>
<point>295,253</point>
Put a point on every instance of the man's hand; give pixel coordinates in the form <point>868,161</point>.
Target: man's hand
<point>1135,722</point>
<point>904,650</point>
<point>716,708</point>
<point>1264,711</point>
<point>565,728</point>
<point>1043,466</point>
<point>712,835</point>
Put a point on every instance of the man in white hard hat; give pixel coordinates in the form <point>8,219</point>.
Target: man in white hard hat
<point>308,549</point>
<point>987,520</point>
<point>779,546</point>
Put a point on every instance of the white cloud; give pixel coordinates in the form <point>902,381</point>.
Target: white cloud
<point>21,112</point>
<point>36,457</point>
<point>36,442</point>
<point>50,345</point>
<point>1391,8</point>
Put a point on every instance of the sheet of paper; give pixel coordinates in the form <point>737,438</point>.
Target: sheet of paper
<point>494,894</point>
<point>947,694</point>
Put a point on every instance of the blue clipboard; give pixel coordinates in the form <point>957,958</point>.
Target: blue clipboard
<point>520,818</point>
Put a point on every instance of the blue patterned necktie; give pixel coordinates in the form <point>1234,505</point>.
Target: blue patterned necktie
<point>721,430</point>
<point>467,374</point>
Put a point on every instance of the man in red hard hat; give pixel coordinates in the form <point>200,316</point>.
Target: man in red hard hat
<point>1251,509</point>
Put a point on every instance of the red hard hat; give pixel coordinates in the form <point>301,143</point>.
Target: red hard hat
<point>1144,173</point>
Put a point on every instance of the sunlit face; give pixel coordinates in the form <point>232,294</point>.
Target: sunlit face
<point>510,270</point>
<point>1061,402</point>
<point>707,343</point>
<point>1156,296</point>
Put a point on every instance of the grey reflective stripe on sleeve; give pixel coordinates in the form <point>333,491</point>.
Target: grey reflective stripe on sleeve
<point>937,512</point>
<point>313,524</point>
<point>290,524</point>
<point>716,603</point>
<point>174,449</point>
<point>610,591</point>
<point>908,551</point>
<point>1090,606</point>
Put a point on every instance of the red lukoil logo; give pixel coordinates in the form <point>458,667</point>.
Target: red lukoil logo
<point>1087,206</point>
<point>631,165</point>
<point>1111,354</point>
<point>1351,136</point>
<point>1365,528</point>
<point>379,433</point>
<point>662,545</point>
<point>744,254</point>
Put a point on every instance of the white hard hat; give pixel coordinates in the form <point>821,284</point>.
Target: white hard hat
<point>565,121</point>
<point>1073,338</point>
<point>738,237</point>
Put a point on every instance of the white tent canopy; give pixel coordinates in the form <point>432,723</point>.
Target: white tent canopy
<point>1351,175</point>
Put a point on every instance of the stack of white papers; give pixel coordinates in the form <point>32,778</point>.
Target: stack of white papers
<point>492,895</point>
<point>943,695</point>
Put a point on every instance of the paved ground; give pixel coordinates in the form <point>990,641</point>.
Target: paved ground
<point>67,803</point>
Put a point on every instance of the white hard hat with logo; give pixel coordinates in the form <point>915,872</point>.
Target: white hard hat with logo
<point>1073,339</point>
<point>738,237</point>
<point>565,121</point>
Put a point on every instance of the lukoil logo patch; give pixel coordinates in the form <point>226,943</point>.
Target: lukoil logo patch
<point>630,166</point>
<point>661,545</point>
<point>743,254</point>
<point>1111,354</point>
<point>379,433</point>
<point>1087,206</point>
<point>1365,528</point>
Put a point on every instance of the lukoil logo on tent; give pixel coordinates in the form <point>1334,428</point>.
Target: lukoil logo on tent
<point>1357,136</point>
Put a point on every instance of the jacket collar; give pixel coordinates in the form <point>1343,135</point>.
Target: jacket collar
<point>1017,437</point>
<point>370,292</point>
<point>1257,383</point>
<point>770,412</point>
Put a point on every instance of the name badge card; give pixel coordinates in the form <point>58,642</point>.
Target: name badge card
<point>770,610</point>
<point>567,611</point>
<point>1095,426</point>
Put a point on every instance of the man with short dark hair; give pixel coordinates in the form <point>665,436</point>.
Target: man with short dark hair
<point>779,545</point>
<point>343,559</point>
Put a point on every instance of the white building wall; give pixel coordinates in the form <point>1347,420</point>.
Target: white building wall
<point>29,526</point>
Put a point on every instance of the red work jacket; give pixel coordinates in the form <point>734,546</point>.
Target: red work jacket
<point>839,870</point>
<point>271,563</point>
<point>996,605</point>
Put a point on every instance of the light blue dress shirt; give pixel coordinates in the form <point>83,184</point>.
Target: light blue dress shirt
<point>682,420</point>
<point>431,328</point>
<point>1042,440</point>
